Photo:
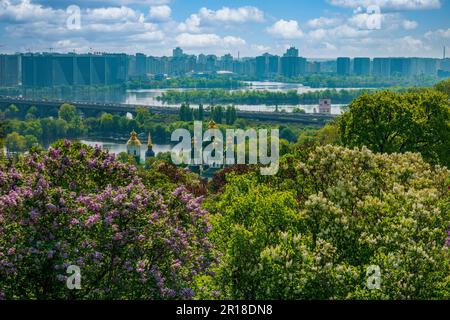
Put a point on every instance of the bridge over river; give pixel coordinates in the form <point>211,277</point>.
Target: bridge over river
<point>277,117</point>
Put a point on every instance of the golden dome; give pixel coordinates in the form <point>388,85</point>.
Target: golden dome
<point>212,125</point>
<point>134,141</point>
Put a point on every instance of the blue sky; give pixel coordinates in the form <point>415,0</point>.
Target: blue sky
<point>320,29</point>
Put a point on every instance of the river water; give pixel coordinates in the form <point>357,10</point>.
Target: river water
<point>147,97</point>
<point>118,147</point>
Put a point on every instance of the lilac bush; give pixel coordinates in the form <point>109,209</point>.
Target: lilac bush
<point>76,205</point>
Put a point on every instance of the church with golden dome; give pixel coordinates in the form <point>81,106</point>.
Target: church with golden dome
<point>134,147</point>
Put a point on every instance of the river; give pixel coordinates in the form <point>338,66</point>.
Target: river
<point>118,147</point>
<point>148,96</point>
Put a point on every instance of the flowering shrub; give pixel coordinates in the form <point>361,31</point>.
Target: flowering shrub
<point>75,205</point>
<point>313,231</point>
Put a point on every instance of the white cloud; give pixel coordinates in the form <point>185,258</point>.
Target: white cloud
<point>411,44</point>
<point>34,26</point>
<point>360,20</point>
<point>114,14</point>
<point>25,10</point>
<point>160,13</point>
<point>207,40</point>
<point>389,4</point>
<point>259,48</point>
<point>340,32</point>
<point>106,2</point>
<point>224,17</point>
<point>148,36</point>
<point>438,34</point>
<point>409,24</point>
<point>329,46</point>
<point>285,29</point>
<point>192,24</point>
<point>322,22</point>
<point>232,15</point>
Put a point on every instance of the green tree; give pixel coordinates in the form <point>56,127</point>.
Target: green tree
<point>67,112</point>
<point>217,114</point>
<point>12,112</point>
<point>329,134</point>
<point>32,113</point>
<point>400,122</point>
<point>107,123</point>
<point>230,115</point>
<point>142,115</point>
<point>15,142</point>
<point>31,141</point>
<point>312,231</point>
<point>60,128</point>
<point>126,158</point>
<point>76,128</point>
<point>32,127</point>
<point>200,113</point>
<point>159,134</point>
<point>287,134</point>
<point>444,87</point>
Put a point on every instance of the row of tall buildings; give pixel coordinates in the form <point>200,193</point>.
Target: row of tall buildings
<point>54,69</point>
<point>265,66</point>
<point>390,67</point>
<point>9,70</point>
<point>70,69</point>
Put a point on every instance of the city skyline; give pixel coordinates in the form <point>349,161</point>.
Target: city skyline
<point>54,69</point>
<point>320,29</point>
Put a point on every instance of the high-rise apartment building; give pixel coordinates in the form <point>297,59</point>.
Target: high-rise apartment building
<point>43,70</point>
<point>343,66</point>
<point>141,65</point>
<point>292,52</point>
<point>381,67</point>
<point>361,66</point>
<point>177,52</point>
<point>400,67</point>
<point>262,65</point>
<point>9,70</point>
<point>291,64</point>
<point>274,65</point>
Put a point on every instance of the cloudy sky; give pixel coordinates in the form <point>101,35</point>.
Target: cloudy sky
<point>320,29</point>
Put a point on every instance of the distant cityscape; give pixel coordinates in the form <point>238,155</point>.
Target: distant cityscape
<point>102,69</point>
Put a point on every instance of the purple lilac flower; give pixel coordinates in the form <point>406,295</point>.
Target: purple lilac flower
<point>34,214</point>
<point>51,207</point>
<point>187,293</point>
<point>92,220</point>
<point>97,255</point>
<point>118,236</point>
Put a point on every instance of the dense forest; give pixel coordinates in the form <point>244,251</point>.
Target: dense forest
<point>370,191</point>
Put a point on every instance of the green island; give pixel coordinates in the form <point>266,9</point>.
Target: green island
<point>254,97</point>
